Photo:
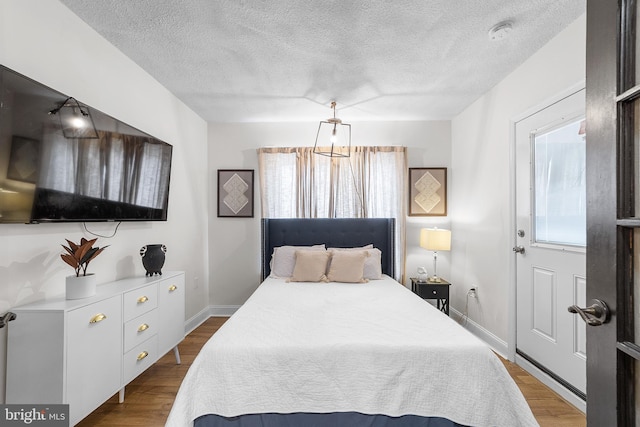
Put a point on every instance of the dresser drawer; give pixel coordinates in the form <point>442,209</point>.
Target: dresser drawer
<point>433,291</point>
<point>140,301</point>
<point>94,348</point>
<point>140,329</point>
<point>171,310</point>
<point>140,358</point>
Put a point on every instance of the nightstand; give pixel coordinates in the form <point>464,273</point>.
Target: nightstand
<point>438,291</point>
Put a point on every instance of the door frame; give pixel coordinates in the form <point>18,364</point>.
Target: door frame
<point>512,271</point>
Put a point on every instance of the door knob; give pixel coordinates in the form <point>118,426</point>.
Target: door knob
<point>595,315</point>
<point>518,249</point>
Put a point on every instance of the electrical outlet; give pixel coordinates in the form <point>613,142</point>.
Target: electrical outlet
<point>473,292</point>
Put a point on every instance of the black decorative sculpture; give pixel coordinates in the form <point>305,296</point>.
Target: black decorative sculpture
<point>153,258</point>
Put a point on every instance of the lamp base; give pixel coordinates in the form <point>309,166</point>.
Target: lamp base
<point>435,279</point>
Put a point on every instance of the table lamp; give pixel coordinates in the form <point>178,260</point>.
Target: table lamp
<point>435,239</point>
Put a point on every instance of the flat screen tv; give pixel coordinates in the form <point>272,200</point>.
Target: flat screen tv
<point>63,161</point>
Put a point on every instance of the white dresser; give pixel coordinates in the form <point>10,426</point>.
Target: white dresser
<point>81,352</point>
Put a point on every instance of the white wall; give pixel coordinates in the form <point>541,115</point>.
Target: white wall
<point>480,179</point>
<point>46,42</point>
<point>234,243</point>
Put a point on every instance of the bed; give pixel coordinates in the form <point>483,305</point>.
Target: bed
<point>330,353</point>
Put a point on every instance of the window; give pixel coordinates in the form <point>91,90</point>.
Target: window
<point>560,190</point>
<point>295,183</point>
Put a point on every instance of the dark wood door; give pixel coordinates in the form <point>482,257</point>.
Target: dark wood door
<point>613,229</point>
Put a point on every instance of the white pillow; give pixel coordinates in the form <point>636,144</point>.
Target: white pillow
<point>372,264</point>
<point>283,259</point>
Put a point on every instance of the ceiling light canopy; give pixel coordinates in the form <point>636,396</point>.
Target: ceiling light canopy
<point>333,138</point>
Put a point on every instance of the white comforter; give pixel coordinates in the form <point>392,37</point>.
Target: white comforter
<point>373,348</point>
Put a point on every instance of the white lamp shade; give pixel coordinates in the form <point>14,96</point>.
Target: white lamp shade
<point>435,239</point>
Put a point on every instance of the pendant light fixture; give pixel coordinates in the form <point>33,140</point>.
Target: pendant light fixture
<point>334,137</point>
<point>75,120</point>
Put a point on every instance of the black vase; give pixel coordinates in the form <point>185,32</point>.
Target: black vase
<point>153,258</point>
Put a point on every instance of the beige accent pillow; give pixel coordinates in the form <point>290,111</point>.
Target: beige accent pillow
<point>372,264</point>
<point>283,259</point>
<point>347,266</point>
<point>310,266</point>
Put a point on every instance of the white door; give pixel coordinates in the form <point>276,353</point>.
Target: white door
<point>551,240</point>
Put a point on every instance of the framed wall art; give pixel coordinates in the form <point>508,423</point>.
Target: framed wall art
<point>235,193</point>
<point>427,191</point>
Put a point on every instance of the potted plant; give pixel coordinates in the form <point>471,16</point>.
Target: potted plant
<point>78,256</point>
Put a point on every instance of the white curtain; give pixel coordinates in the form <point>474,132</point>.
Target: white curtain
<point>371,183</point>
<point>560,186</point>
<point>115,167</point>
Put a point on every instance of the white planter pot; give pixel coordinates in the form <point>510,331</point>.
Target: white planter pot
<point>81,286</point>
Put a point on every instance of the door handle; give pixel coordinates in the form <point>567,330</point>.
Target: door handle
<point>518,249</point>
<point>595,315</point>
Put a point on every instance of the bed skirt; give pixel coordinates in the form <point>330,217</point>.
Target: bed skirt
<point>335,419</point>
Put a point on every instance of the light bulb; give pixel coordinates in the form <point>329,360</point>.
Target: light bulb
<point>333,137</point>
<point>78,122</point>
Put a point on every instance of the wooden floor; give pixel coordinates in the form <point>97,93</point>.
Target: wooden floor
<point>549,408</point>
<point>149,397</point>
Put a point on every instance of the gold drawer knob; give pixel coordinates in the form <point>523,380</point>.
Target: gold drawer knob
<point>143,355</point>
<point>98,318</point>
<point>172,288</point>
<point>143,327</point>
<point>142,299</point>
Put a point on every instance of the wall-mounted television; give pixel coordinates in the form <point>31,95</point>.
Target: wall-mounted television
<point>111,172</point>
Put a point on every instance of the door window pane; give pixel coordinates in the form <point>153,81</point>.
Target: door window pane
<point>635,338</point>
<point>635,163</point>
<point>636,290</point>
<point>636,47</point>
<point>559,185</point>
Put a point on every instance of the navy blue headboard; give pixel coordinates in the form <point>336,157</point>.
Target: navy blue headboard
<point>333,232</point>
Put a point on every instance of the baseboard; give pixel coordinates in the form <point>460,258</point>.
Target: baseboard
<point>496,344</point>
<point>196,320</point>
<point>209,311</point>
<point>500,347</point>
<point>222,310</point>
<point>567,395</point>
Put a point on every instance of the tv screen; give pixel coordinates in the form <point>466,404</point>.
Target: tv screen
<point>63,161</point>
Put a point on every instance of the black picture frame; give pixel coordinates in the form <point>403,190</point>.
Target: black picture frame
<point>235,193</point>
<point>427,191</point>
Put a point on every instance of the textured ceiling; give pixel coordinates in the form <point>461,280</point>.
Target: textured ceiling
<point>278,60</point>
